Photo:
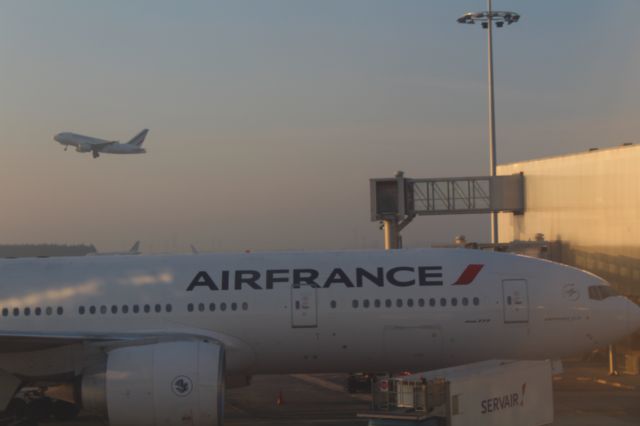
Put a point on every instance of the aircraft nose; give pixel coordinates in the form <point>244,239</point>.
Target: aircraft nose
<point>633,316</point>
<point>57,137</point>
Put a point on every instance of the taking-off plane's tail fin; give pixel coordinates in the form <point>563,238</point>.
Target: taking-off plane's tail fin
<point>139,138</point>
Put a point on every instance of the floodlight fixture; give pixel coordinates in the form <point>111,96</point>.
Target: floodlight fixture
<point>499,17</point>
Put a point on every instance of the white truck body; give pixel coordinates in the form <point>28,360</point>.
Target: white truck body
<point>496,393</point>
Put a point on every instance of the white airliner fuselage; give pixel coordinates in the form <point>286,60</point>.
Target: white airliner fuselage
<point>97,146</point>
<point>289,313</point>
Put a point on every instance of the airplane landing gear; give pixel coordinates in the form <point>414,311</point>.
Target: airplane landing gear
<point>96,154</point>
<point>64,411</point>
<point>16,414</point>
<point>65,147</point>
<point>39,409</point>
<point>32,407</point>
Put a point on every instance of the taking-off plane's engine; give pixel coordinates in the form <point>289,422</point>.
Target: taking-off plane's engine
<point>83,147</point>
<point>170,383</point>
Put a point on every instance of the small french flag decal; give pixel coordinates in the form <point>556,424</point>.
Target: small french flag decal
<point>469,274</point>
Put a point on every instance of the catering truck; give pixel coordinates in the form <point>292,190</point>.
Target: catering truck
<point>496,393</point>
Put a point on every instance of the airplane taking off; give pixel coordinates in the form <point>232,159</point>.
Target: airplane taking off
<point>97,146</point>
<point>134,250</point>
<point>155,340</point>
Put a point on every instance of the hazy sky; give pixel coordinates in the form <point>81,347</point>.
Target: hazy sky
<point>268,117</point>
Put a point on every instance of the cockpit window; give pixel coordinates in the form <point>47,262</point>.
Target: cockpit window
<point>601,292</point>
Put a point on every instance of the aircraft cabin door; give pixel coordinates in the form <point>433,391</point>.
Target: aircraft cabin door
<point>304,307</point>
<point>515,301</point>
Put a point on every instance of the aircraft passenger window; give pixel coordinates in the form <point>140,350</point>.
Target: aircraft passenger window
<point>377,303</point>
<point>147,309</point>
<point>103,309</point>
<point>410,303</point>
<point>39,311</point>
<point>476,301</point>
<point>432,302</point>
<point>59,311</point>
<point>443,302</point>
<point>168,308</point>
<point>399,303</point>
<point>454,302</point>
<point>49,310</point>
<point>27,312</point>
<point>354,304</point>
<point>245,306</point>
<point>234,306</point>
<point>114,309</point>
<point>387,303</point>
<point>80,310</point>
<point>421,302</point>
<point>333,304</point>
<point>158,308</point>
<point>365,303</point>
<point>92,309</point>
<point>465,301</point>
<point>125,309</point>
<point>212,307</point>
<point>16,312</point>
<point>223,306</point>
<point>5,312</point>
<point>136,308</point>
<point>201,307</point>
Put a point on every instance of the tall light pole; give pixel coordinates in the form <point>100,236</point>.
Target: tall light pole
<point>487,19</point>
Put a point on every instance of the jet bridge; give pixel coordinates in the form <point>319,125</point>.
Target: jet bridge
<point>397,201</point>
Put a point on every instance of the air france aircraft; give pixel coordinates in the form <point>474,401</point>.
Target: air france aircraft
<point>155,340</point>
<point>97,146</point>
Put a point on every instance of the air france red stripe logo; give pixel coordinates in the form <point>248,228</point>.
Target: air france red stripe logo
<point>469,274</point>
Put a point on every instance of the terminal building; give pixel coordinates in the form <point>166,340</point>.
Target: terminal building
<point>587,205</point>
<point>579,209</point>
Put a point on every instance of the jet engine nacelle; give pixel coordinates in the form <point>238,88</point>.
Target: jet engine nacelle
<point>83,147</point>
<point>169,383</point>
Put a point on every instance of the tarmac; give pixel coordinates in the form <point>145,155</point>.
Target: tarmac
<point>584,395</point>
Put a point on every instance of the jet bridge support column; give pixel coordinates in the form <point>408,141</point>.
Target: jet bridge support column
<point>391,234</point>
<point>392,227</point>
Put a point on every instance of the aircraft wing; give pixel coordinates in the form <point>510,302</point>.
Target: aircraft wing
<point>26,342</point>
<point>14,341</point>
<point>21,341</point>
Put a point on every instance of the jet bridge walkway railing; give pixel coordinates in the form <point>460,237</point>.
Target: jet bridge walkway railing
<point>396,201</point>
<point>449,196</point>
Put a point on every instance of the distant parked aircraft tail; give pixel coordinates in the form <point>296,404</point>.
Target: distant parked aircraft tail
<point>139,138</point>
<point>135,247</point>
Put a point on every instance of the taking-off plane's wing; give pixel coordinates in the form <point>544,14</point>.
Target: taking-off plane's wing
<point>97,144</point>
